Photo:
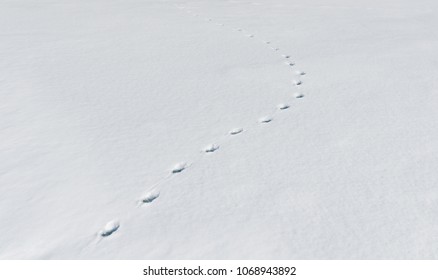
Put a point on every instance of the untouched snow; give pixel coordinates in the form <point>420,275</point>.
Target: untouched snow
<point>218,129</point>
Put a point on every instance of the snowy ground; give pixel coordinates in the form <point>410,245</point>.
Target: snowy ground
<point>101,99</point>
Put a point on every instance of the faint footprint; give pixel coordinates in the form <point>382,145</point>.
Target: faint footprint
<point>178,168</point>
<point>283,106</point>
<point>109,228</point>
<point>150,196</point>
<point>250,35</point>
<point>265,119</point>
<point>211,148</point>
<point>285,56</point>
<point>289,63</point>
<point>301,73</point>
<point>235,131</point>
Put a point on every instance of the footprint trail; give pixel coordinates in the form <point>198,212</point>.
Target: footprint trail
<point>152,193</point>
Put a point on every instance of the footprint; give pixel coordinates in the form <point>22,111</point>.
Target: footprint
<point>275,49</point>
<point>178,168</point>
<point>267,42</point>
<point>301,73</point>
<point>265,119</point>
<point>235,131</point>
<point>250,35</point>
<point>238,29</point>
<point>289,63</point>
<point>150,196</point>
<point>285,56</point>
<point>283,106</point>
<point>297,82</point>
<point>211,148</point>
<point>109,228</point>
<point>299,95</point>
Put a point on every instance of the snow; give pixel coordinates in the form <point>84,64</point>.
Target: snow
<point>105,104</point>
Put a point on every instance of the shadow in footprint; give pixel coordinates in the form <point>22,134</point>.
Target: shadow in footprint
<point>235,131</point>
<point>211,148</point>
<point>109,228</point>
<point>178,168</point>
<point>297,82</point>
<point>299,95</point>
<point>266,119</point>
<point>150,196</point>
<point>283,106</point>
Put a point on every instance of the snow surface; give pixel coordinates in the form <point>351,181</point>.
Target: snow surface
<point>107,108</point>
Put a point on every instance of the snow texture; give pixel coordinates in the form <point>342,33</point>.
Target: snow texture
<point>101,99</point>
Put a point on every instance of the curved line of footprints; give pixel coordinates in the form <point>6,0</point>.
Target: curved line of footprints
<point>154,191</point>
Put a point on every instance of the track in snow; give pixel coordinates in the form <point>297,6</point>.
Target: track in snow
<point>153,193</point>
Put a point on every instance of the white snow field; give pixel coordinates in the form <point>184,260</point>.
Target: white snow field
<point>218,129</point>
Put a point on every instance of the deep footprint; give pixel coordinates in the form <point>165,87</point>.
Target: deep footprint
<point>178,168</point>
<point>150,196</point>
<point>109,228</point>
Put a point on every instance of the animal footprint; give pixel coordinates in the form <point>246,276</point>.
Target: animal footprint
<point>265,119</point>
<point>211,148</point>
<point>236,131</point>
<point>299,95</point>
<point>297,82</point>
<point>283,106</point>
<point>250,35</point>
<point>285,56</point>
<point>267,42</point>
<point>178,168</point>
<point>109,228</point>
<point>301,73</point>
<point>150,196</point>
<point>289,63</point>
